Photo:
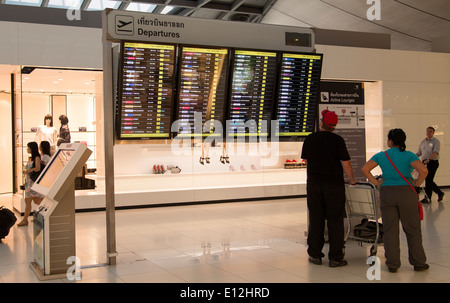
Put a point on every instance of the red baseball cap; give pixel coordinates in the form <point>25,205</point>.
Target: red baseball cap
<point>329,118</point>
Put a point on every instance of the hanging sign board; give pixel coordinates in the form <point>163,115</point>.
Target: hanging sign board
<point>138,26</point>
<point>346,99</point>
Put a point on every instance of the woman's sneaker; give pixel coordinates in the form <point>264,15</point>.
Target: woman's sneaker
<point>421,267</point>
<point>317,261</point>
<point>334,263</point>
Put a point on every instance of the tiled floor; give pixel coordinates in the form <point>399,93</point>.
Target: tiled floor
<point>262,241</point>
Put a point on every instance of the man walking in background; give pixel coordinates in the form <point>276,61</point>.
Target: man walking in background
<point>429,151</point>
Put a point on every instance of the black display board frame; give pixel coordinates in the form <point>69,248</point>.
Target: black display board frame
<point>120,81</point>
<point>315,103</point>
<point>177,103</point>
<point>226,106</point>
<point>249,137</point>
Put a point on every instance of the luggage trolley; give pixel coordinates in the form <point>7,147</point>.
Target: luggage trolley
<point>362,200</point>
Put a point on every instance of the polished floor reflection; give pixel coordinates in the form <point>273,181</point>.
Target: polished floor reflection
<point>242,242</point>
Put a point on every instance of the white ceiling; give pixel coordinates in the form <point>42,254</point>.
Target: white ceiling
<point>412,24</point>
<point>56,81</point>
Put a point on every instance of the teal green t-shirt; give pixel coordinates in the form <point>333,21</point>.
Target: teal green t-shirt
<point>402,161</point>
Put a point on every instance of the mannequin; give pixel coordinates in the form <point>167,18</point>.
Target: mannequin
<point>47,132</point>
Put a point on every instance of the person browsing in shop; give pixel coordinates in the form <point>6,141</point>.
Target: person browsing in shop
<point>327,159</point>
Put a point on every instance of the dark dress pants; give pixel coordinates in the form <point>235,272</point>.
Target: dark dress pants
<point>326,202</point>
<point>399,205</point>
<point>430,186</point>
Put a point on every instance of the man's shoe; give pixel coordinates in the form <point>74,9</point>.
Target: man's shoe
<point>421,267</point>
<point>317,261</point>
<point>425,200</point>
<point>392,269</point>
<point>334,263</point>
<point>440,197</point>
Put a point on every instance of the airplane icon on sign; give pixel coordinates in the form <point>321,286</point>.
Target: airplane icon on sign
<point>122,23</point>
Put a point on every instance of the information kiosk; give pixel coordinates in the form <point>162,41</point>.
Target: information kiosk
<point>54,221</point>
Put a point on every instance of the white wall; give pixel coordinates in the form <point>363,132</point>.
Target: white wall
<point>416,90</point>
<point>414,85</point>
<point>50,45</point>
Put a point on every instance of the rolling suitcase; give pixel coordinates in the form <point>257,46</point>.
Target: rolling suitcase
<point>7,220</point>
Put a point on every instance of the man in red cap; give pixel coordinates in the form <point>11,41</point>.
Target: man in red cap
<point>327,159</point>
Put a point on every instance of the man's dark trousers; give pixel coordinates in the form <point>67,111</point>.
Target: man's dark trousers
<point>326,202</point>
<point>430,186</point>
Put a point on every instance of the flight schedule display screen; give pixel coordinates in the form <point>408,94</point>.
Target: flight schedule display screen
<point>298,87</point>
<point>201,91</point>
<point>252,93</point>
<point>146,90</point>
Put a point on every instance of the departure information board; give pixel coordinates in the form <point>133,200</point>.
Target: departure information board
<point>296,109</point>
<point>202,91</point>
<point>146,90</point>
<point>252,93</point>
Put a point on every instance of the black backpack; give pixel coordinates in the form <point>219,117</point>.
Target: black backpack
<point>7,220</point>
<point>368,230</point>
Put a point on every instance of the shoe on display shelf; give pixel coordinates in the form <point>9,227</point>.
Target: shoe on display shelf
<point>289,164</point>
<point>175,170</point>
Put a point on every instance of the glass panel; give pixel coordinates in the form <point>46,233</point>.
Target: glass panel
<point>75,4</point>
<point>102,4</point>
<point>166,10</point>
<point>139,7</point>
<point>24,2</point>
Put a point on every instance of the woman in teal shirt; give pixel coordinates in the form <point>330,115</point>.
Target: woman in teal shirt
<point>399,200</point>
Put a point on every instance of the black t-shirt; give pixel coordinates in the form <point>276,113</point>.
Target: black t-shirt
<point>324,152</point>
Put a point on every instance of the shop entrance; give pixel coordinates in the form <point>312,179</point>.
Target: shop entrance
<point>6,143</point>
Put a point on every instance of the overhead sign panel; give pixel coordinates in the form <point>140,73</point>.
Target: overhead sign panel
<point>138,26</point>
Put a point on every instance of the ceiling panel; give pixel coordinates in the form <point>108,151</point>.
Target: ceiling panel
<point>412,24</point>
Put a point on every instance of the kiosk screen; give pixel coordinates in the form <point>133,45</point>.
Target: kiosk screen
<point>146,90</point>
<point>252,93</point>
<point>202,91</point>
<point>54,168</point>
<point>296,109</point>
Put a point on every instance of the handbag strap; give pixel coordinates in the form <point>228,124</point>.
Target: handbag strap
<point>400,173</point>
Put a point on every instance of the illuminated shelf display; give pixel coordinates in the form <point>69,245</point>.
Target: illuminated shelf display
<point>201,91</point>
<point>252,93</point>
<point>296,109</point>
<point>146,90</point>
